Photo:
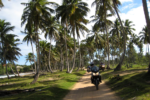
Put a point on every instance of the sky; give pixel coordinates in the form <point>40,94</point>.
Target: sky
<point>13,10</point>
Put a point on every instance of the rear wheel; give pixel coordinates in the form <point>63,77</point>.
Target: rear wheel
<point>96,84</point>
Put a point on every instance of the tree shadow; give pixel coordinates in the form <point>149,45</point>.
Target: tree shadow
<point>130,87</point>
<point>43,93</point>
<point>14,79</point>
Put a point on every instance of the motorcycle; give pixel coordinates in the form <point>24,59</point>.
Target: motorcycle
<point>102,67</point>
<point>96,78</point>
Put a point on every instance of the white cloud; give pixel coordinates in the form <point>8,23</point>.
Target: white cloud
<point>136,15</point>
<point>128,6</point>
<point>123,1</point>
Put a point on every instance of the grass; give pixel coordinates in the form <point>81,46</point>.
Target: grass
<point>134,85</point>
<point>49,87</point>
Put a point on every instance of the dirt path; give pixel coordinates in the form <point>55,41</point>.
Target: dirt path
<point>84,90</point>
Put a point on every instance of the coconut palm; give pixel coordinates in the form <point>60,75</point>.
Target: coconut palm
<point>144,36</point>
<point>72,14</point>
<point>10,50</point>
<point>30,57</point>
<point>101,24</point>
<point>36,12</point>
<point>44,48</point>
<point>52,30</point>
<point>5,28</point>
<point>145,8</point>
<point>128,28</point>
<point>30,37</point>
<point>14,51</point>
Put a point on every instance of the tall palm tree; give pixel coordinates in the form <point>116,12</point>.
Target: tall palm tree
<point>44,48</point>
<point>63,12</point>
<point>30,37</point>
<point>146,16</point>
<point>128,30</point>
<point>52,30</point>
<point>72,13</point>
<point>5,28</point>
<point>36,12</point>
<point>10,50</point>
<point>14,51</point>
<point>102,23</point>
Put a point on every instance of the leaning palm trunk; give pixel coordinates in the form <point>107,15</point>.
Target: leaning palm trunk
<point>80,61</point>
<point>38,61</point>
<point>12,69</point>
<point>67,64</point>
<point>49,62</point>
<point>33,57</point>
<point>123,55</point>
<point>147,22</point>
<point>16,69</point>
<point>74,54</point>
<point>7,72</point>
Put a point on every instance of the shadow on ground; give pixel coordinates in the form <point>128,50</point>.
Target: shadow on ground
<point>131,86</point>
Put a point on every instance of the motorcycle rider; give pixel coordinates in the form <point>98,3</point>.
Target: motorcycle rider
<point>92,69</point>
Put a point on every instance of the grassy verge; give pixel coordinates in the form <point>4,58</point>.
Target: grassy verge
<point>131,84</point>
<point>49,87</point>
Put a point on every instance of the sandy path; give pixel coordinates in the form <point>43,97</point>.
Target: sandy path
<point>84,90</point>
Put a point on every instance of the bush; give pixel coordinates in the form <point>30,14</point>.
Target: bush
<point>25,69</point>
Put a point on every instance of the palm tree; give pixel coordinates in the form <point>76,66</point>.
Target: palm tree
<point>102,23</point>
<point>30,37</point>
<point>14,51</point>
<point>10,50</point>
<point>146,16</point>
<point>36,12</point>
<point>63,13</point>
<point>44,48</point>
<point>5,28</point>
<point>60,44</point>
<point>52,33</point>
<point>72,13</point>
<point>144,36</point>
<point>30,58</point>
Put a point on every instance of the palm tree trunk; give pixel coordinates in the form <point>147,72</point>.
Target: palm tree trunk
<point>122,59</point>
<point>33,57</point>
<point>74,54</point>
<point>38,59</point>
<point>61,61</point>
<point>7,72</point>
<point>147,22</point>
<point>79,55</point>
<point>49,62</point>
<point>146,16</point>
<point>67,64</point>
<point>12,69</point>
<point>16,69</point>
<point>108,62</point>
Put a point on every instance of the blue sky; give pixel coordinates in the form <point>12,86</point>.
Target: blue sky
<point>130,9</point>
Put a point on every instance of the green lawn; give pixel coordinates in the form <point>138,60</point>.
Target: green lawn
<point>49,87</point>
<point>135,85</point>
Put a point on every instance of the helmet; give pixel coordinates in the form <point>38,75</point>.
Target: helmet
<point>91,63</point>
